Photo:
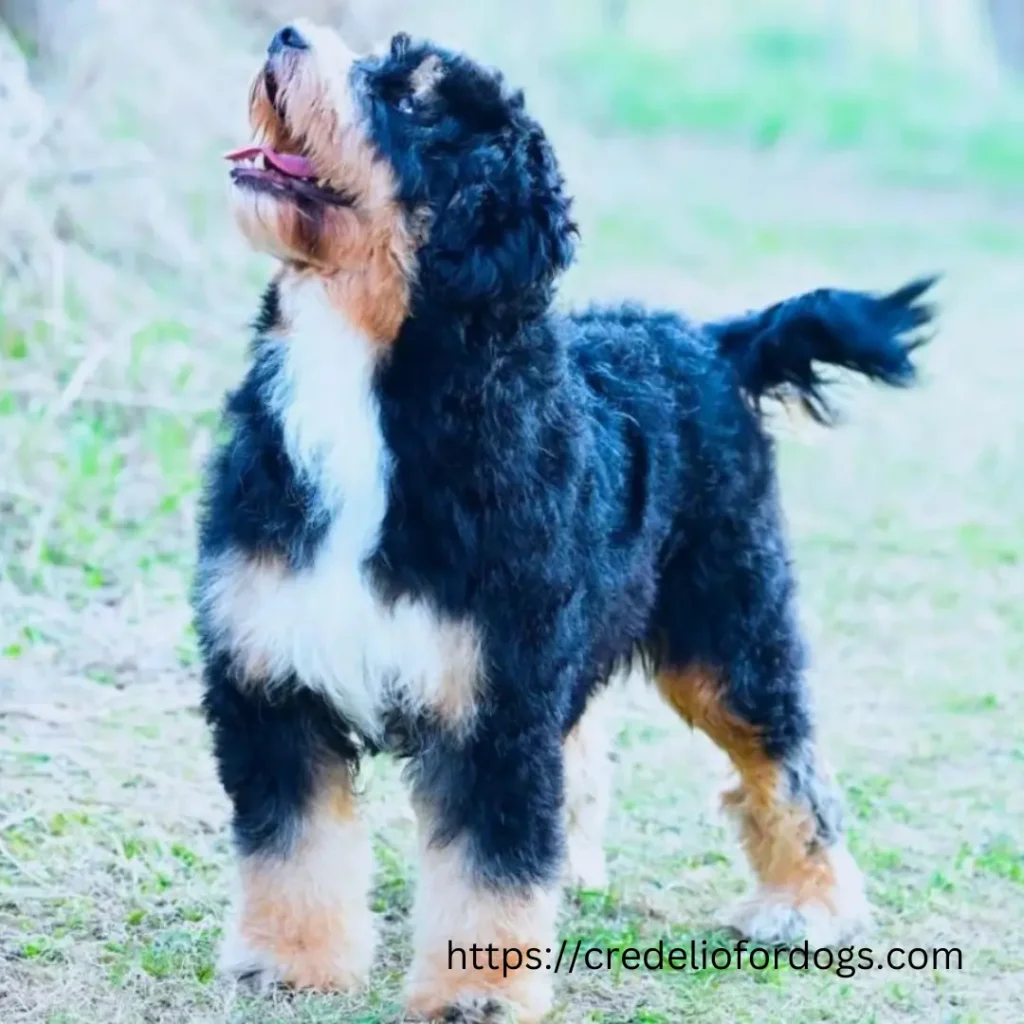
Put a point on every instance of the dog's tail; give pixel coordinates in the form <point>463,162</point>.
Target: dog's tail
<point>779,351</point>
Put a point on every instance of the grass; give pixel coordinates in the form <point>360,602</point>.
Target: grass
<point>907,526</point>
<point>768,86</point>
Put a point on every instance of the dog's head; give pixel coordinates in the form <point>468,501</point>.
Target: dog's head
<point>409,175</point>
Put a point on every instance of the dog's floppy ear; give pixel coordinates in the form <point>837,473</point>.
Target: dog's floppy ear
<point>506,234</point>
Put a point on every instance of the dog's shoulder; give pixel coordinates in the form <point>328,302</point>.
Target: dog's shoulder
<point>253,495</point>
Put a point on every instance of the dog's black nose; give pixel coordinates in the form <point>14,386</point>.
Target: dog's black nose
<point>287,38</point>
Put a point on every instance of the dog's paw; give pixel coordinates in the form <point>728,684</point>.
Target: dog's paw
<point>525,1000</point>
<point>326,966</point>
<point>780,916</point>
<point>263,978</point>
<point>473,1010</point>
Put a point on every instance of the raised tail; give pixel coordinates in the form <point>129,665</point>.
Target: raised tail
<point>780,350</point>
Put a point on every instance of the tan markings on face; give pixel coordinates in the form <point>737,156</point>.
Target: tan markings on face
<point>302,918</point>
<point>424,79</point>
<point>778,834</point>
<point>366,252</point>
<point>452,906</point>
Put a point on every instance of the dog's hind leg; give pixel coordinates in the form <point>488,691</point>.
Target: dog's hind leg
<point>789,822</point>
<point>301,916</point>
<point>730,661</point>
<point>588,783</point>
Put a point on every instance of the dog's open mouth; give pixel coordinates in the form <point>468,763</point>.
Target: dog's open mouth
<point>285,174</point>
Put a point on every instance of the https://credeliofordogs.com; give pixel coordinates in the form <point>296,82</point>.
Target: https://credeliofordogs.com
<point>570,957</point>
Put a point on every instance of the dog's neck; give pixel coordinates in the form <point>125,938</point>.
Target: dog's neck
<point>476,331</point>
<point>373,296</point>
<point>322,391</point>
<point>333,354</point>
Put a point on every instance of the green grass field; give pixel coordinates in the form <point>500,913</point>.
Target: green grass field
<point>907,524</point>
<point>771,87</point>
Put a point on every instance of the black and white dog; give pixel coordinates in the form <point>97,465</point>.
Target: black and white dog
<point>445,514</point>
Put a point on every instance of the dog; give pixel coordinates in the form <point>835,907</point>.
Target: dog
<point>444,515</point>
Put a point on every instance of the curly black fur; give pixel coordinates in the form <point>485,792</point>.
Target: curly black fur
<point>775,350</point>
<point>583,487</point>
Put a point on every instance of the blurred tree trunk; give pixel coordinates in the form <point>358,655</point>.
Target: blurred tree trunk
<point>1007,20</point>
<point>929,39</point>
<point>837,11</point>
<point>614,13</point>
<point>23,18</point>
<point>49,32</point>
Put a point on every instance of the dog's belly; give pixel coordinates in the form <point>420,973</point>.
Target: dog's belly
<point>324,628</point>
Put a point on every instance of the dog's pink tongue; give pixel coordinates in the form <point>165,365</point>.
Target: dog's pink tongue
<point>287,163</point>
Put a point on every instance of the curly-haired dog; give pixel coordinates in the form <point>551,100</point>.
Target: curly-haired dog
<point>445,514</point>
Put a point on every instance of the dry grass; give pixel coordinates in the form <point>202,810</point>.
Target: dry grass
<point>907,523</point>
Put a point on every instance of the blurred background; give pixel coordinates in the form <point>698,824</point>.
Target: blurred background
<point>723,155</point>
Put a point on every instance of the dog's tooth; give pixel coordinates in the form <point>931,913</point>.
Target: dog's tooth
<point>260,162</point>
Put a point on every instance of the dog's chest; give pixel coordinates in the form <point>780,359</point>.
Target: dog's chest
<point>324,626</point>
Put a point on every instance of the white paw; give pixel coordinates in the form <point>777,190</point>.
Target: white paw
<point>251,968</point>
<point>327,963</point>
<point>778,916</point>
<point>526,1004</point>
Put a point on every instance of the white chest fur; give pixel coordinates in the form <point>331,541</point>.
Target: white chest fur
<point>323,625</point>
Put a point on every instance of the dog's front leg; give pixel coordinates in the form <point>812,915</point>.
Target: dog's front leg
<point>491,842</point>
<point>301,917</point>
